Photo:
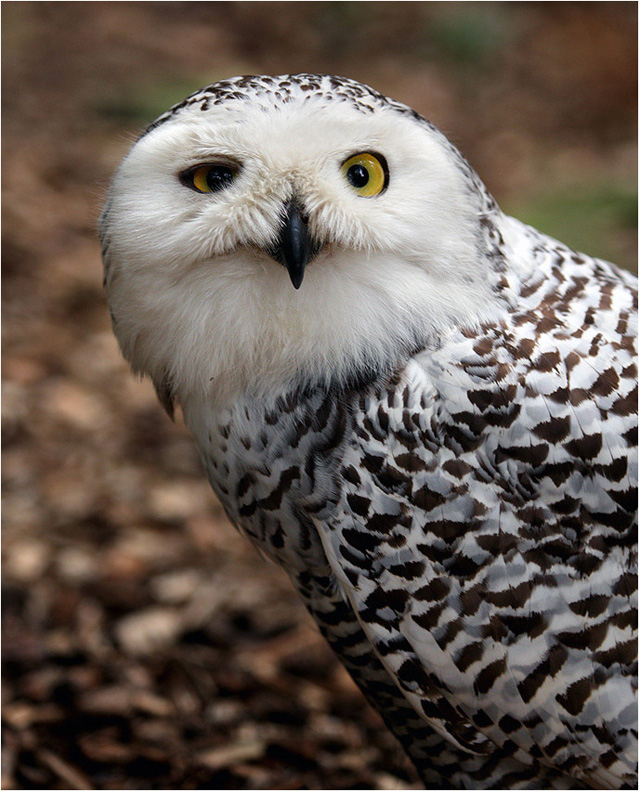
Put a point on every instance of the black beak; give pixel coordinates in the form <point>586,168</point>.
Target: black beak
<point>293,248</point>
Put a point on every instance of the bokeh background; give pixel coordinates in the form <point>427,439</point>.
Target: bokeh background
<point>146,644</point>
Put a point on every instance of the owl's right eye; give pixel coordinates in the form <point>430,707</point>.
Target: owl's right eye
<point>209,178</point>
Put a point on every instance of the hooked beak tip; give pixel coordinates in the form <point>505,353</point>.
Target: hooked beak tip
<point>296,279</point>
<point>293,248</point>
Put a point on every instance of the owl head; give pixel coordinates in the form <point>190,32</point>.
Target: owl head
<point>268,229</point>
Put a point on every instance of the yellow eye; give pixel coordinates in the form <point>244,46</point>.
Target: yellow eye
<point>366,173</point>
<point>209,178</point>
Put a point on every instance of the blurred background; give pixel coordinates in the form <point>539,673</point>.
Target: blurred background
<point>145,644</point>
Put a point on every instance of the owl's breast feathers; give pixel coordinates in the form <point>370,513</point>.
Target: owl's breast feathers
<point>463,531</point>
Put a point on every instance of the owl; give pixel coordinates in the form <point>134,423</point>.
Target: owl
<point>420,407</point>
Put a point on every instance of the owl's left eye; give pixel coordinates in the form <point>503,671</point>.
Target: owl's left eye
<point>209,178</point>
<point>366,173</point>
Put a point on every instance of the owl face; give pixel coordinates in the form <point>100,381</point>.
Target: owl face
<point>261,237</point>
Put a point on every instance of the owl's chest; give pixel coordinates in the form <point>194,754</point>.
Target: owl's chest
<point>275,468</point>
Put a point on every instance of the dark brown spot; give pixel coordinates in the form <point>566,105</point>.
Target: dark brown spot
<point>557,744</point>
<point>626,405</point>
<point>450,632</point>
<point>531,287</point>
<point>553,430</point>
<point>560,396</point>
<point>469,655</point>
<point>482,399</point>
<point>471,600</point>
<point>559,472</point>
<point>409,462</point>
<point>476,423</point>
<point>396,599</point>
<point>588,638</point>
<point>509,724</point>
<point>483,346</point>
<point>457,468</point>
<point>625,654</point>
<point>244,484</point>
<point>383,419</point>
<point>274,500</point>
<point>533,454</point>
<point>358,504</point>
<point>429,619</point>
<point>497,543</point>
<point>351,475</point>
<point>410,570</point>
<point>606,383</point>
<point>547,361</point>
<point>488,676</point>
<point>373,464</point>
<point>382,523</point>
<point>615,471</point>
<point>481,719</point>
<point>437,589</point>
<point>462,566</point>
<point>532,624</point>
<point>447,530</point>
<point>627,584</point>
<point>411,675</point>
<point>576,695</point>
<point>389,479</point>
<point>591,606</point>
<point>549,667</point>
<point>359,560</point>
<point>362,541</point>
<point>585,447</point>
<point>428,499</point>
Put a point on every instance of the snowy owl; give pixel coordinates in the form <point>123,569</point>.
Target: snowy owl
<point>420,407</point>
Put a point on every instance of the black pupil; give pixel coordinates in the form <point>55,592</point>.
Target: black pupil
<point>219,176</point>
<point>358,175</point>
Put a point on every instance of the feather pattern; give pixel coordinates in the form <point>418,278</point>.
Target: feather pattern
<point>436,437</point>
<point>475,513</point>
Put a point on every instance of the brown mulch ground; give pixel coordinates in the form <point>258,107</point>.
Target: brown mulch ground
<point>146,644</point>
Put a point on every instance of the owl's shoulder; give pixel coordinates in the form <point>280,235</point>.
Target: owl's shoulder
<point>530,408</point>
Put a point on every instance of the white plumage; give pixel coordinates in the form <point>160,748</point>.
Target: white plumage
<point>423,409</point>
